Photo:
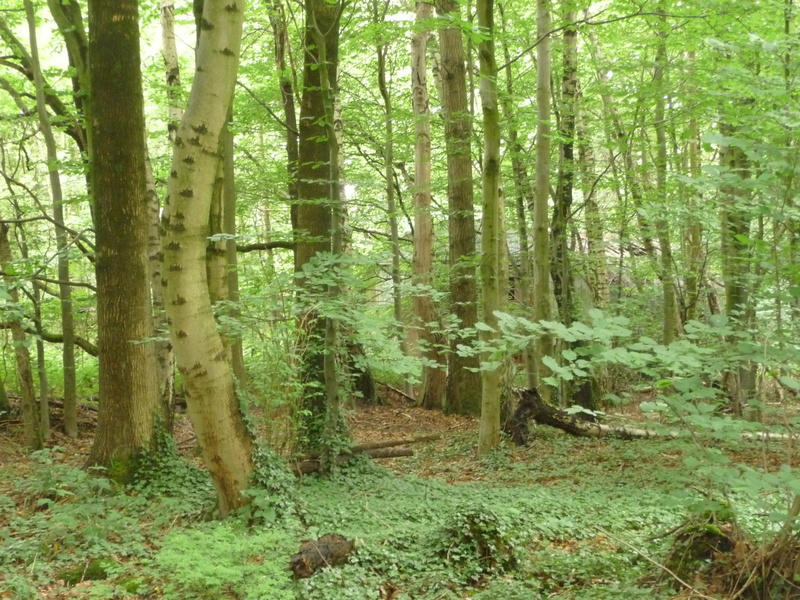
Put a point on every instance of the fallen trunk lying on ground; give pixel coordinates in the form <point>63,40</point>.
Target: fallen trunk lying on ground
<point>532,407</point>
<point>304,467</point>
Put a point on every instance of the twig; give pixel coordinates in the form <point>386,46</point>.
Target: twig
<point>666,569</point>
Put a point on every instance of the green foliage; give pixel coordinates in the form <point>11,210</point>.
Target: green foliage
<point>273,493</point>
<point>475,540</point>
<point>220,560</point>
<point>163,473</point>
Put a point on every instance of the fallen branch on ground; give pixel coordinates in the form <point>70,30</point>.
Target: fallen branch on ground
<point>304,467</point>
<point>377,445</point>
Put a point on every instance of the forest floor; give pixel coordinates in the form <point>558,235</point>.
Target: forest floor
<point>564,517</point>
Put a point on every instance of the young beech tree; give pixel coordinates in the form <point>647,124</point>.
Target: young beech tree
<point>200,353</point>
<point>492,234</point>
<point>128,392</point>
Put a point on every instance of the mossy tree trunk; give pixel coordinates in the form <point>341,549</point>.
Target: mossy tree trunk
<point>314,211</point>
<point>493,282</point>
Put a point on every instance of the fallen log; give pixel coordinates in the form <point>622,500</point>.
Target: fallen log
<point>377,445</point>
<point>531,406</point>
<point>304,467</point>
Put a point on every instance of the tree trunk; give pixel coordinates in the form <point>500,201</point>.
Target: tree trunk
<point>662,224</point>
<point>463,379</point>
<point>391,204</point>
<point>596,249</point>
<point>541,239</point>
<point>332,424</point>
<point>524,194</point>
<point>164,356</point>
<point>560,261</point>
<point>314,211</point>
<point>128,394</point>
<point>735,241</point>
<point>30,407</point>
<point>65,291</point>
<point>213,407</point>
<point>492,234</point>
<point>434,378</point>
<point>286,74</point>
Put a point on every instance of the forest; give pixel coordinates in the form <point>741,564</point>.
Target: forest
<point>433,299</point>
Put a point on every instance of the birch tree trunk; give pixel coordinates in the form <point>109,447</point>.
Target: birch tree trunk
<point>212,404</point>
<point>128,394</point>
<point>434,378</point>
<point>463,395</point>
<point>492,234</point>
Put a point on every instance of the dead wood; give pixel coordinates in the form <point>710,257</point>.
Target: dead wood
<point>532,407</point>
<point>376,445</point>
<point>329,550</point>
<point>304,467</point>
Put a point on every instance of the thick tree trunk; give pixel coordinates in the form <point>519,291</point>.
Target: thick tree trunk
<point>314,210</point>
<point>434,378</point>
<point>212,404</point>
<point>735,242</point>
<point>463,379</point>
<point>128,394</point>
<point>492,233</point>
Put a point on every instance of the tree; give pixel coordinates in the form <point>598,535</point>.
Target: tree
<point>64,289</point>
<point>541,240</point>
<point>314,210</point>
<point>128,392</point>
<point>29,404</point>
<point>492,235</point>
<point>212,403</point>
<point>463,387</point>
<point>434,378</point>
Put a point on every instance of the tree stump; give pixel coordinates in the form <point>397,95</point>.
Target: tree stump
<point>329,550</point>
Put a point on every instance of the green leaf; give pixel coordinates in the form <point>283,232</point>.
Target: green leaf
<point>791,383</point>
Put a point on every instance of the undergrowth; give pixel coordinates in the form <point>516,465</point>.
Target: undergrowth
<point>564,518</point>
